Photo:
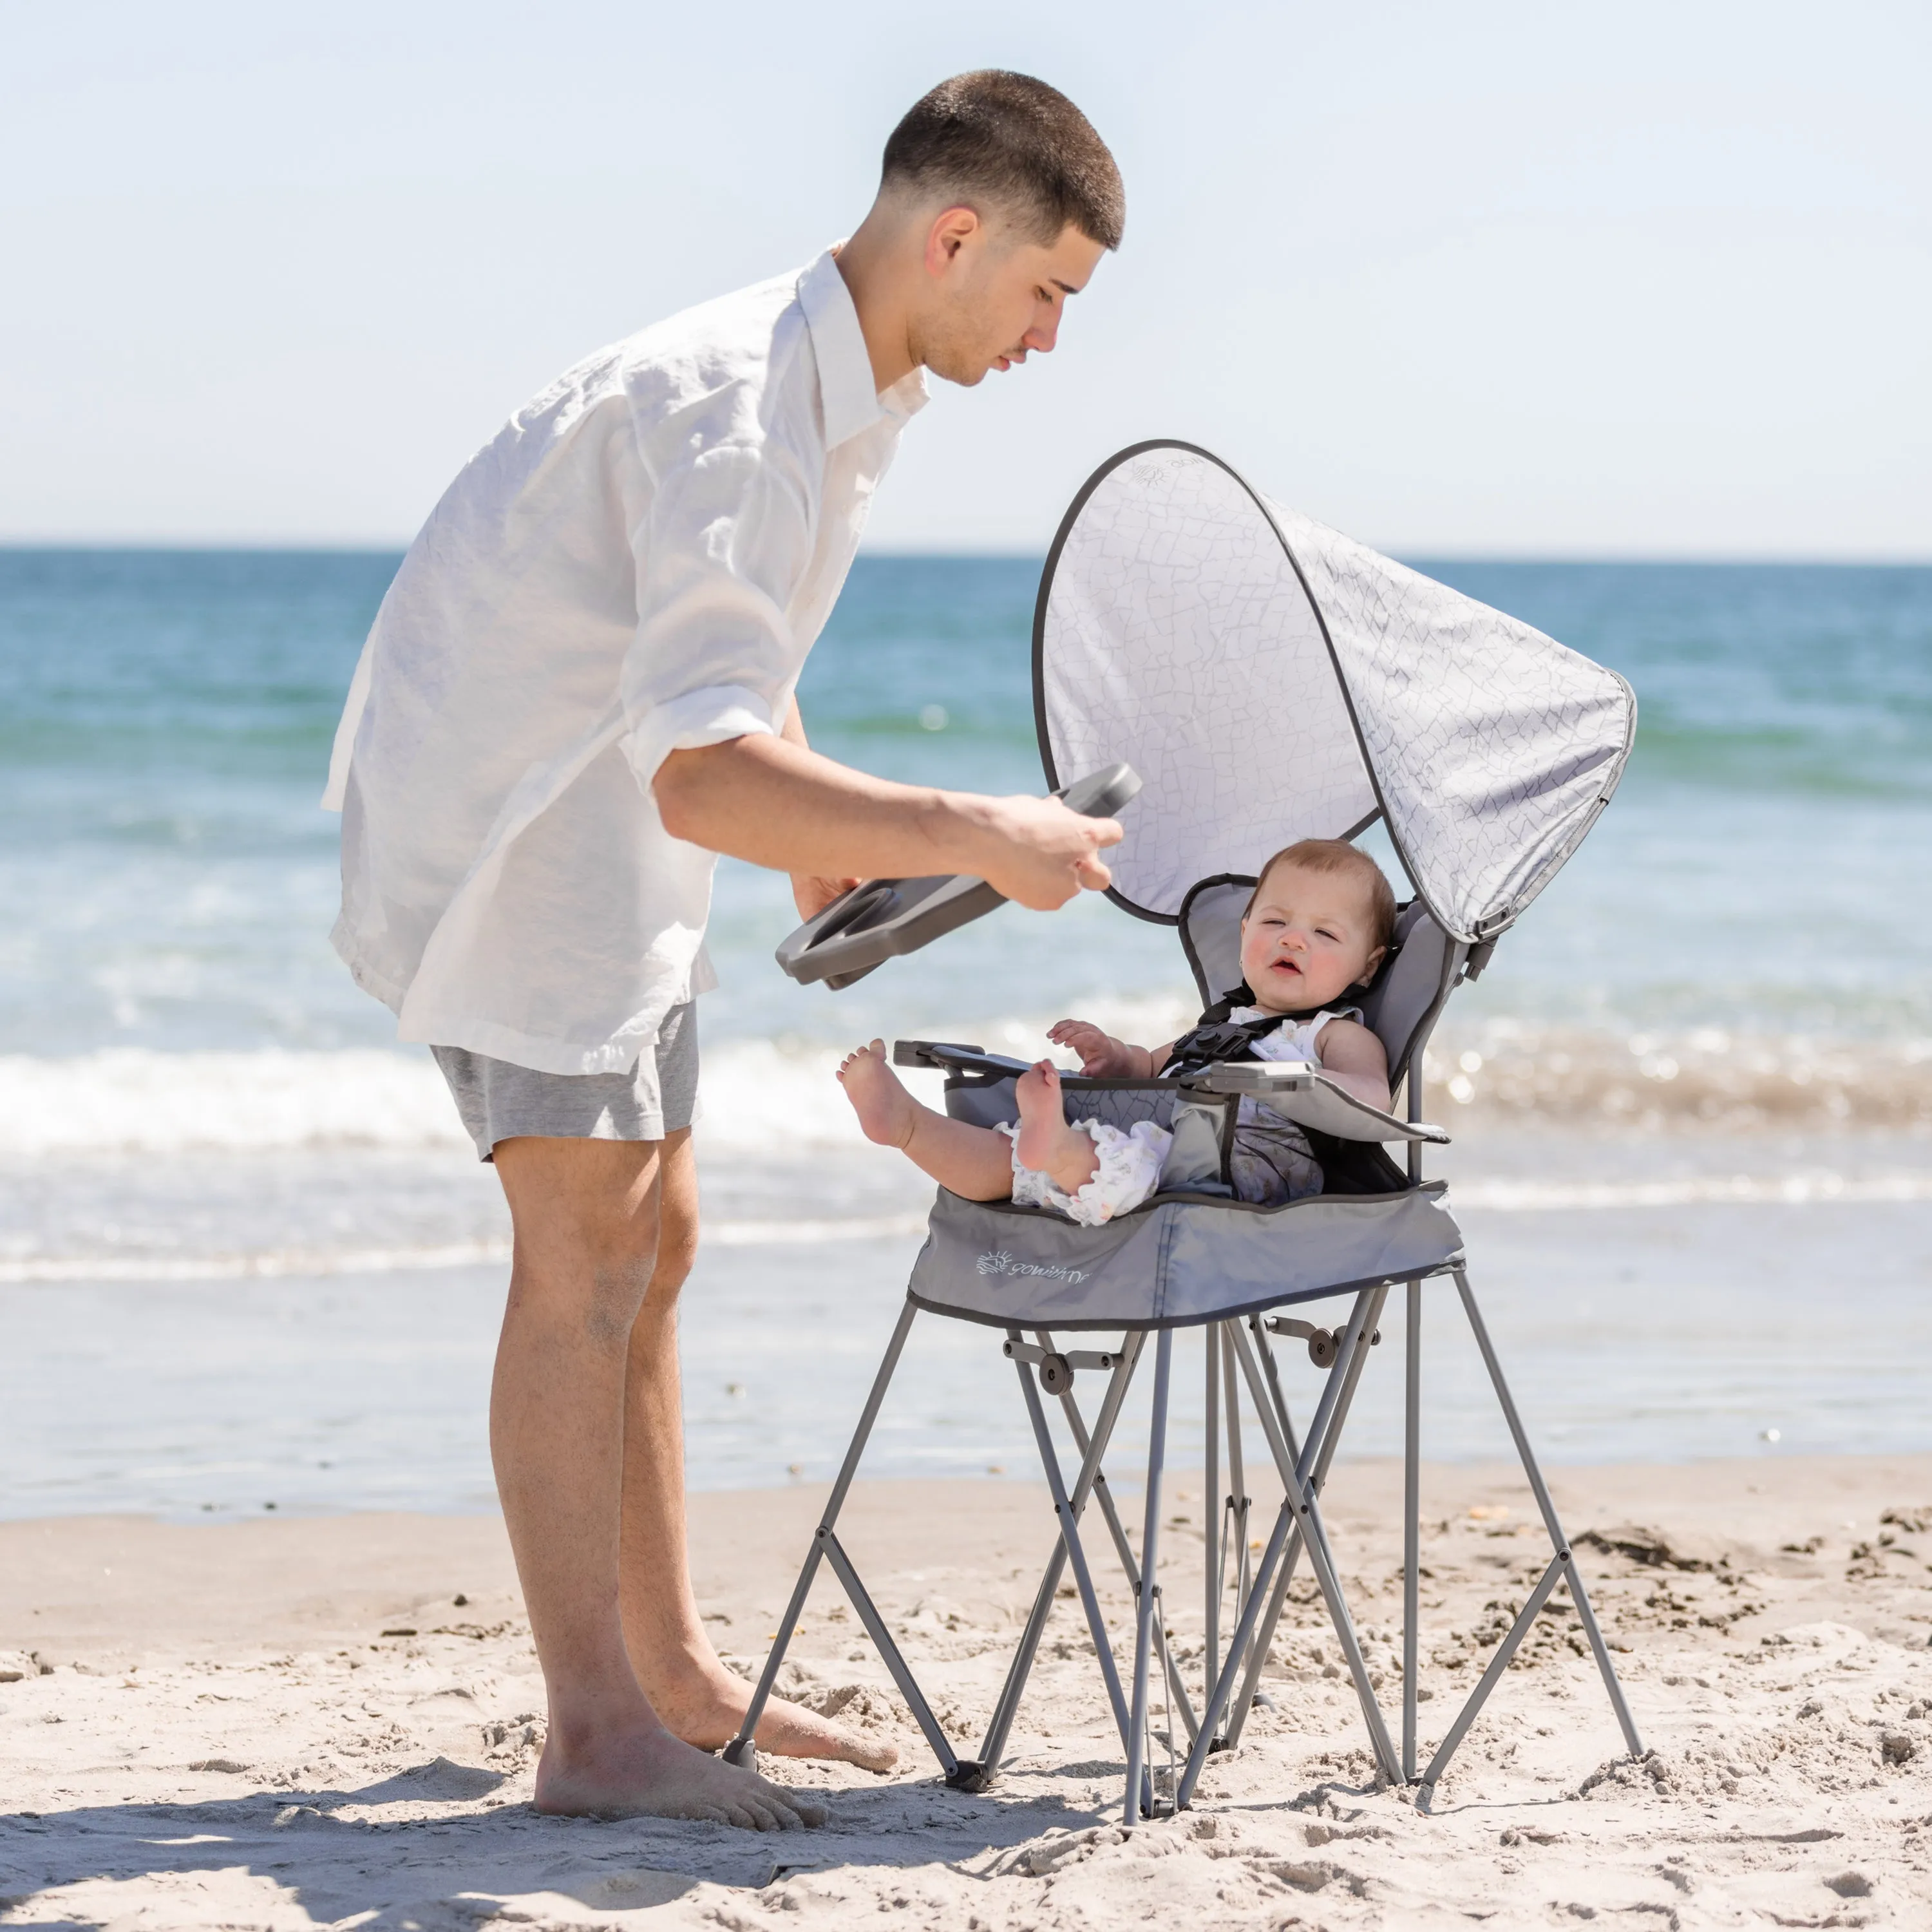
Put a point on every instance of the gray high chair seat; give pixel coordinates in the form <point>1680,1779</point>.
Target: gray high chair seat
<point>1269,680</point>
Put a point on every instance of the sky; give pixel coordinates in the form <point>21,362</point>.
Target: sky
<point>1486,279</point>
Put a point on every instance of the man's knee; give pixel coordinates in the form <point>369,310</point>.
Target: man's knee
<point>677,1219</point>
<point>586,1216</point>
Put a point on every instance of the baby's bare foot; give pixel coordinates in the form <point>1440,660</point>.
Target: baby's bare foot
<point>651,1774</point>
<point>886,1110</point>
<point>1045,1142</point>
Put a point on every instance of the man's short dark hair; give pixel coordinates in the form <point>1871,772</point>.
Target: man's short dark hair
<point>1011,140</point>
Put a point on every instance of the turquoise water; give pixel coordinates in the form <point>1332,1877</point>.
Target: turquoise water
<point>167,716</point>
<point>193,1094</point>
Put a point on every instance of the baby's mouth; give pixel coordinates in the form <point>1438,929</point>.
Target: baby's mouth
<point>1284,966</point>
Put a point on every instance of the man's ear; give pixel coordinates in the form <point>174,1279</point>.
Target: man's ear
<point>951,230</point>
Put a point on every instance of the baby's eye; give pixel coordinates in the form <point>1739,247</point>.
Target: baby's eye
<point>1322,932</point>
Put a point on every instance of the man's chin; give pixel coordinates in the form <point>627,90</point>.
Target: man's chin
<point>961,375</point>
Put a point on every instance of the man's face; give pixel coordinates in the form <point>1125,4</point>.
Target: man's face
<point>994,298</point>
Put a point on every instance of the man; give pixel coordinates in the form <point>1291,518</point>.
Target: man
<point>578,690</point>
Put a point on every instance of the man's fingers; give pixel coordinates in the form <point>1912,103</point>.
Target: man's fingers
<point>1093,876</point>
<point>1106,831</point>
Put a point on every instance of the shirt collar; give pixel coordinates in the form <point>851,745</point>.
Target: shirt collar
<point>850,403</point>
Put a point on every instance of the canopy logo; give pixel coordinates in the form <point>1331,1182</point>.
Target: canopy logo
<point>997,1261</point>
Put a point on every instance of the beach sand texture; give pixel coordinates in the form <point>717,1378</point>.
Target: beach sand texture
<point>335,1721</point>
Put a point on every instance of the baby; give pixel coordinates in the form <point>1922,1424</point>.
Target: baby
<point>1319,922</point>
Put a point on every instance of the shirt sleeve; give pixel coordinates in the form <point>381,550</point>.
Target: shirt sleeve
<point>726,540</point>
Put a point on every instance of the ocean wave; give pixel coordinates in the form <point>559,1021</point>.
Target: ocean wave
<point>1704,1078</point>
<point>755,1096</point>
<point>1805,1189</point>
<point>130,1100</point>
<point>762,1097</point>
<point>310,1263</point>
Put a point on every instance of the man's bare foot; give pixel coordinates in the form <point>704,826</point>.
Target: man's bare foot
<point>709,1711</point>
<point>1046,1142</point>
<point>886,1110</point>
<point>650,1774</point>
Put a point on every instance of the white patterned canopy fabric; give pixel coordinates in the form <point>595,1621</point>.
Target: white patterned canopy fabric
<point>1175,632</point>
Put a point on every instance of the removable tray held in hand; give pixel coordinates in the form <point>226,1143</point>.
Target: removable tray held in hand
<point>883,918</point>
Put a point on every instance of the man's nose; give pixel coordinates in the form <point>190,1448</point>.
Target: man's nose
<point>1042,334</point>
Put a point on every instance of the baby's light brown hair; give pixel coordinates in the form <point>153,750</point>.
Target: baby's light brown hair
<point>1338,856</point>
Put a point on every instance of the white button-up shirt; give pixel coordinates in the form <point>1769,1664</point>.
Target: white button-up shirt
<point>637,564</point>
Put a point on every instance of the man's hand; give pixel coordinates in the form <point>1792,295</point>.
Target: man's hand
<point>771,801</point>
<point>1037,854</point>
<point>812,894</point>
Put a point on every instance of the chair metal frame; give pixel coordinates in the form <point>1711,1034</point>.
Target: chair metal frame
<point>1231,1680</point>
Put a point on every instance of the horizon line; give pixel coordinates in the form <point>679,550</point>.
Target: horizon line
<point>1002,553</point>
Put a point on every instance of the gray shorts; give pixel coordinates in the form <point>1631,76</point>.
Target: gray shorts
<point>499,1101</point>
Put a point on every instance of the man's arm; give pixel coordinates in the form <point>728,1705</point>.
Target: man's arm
<point>811,891</point>
<point>772,800</point>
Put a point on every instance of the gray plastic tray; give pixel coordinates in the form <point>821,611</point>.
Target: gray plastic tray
<point>884,919</point>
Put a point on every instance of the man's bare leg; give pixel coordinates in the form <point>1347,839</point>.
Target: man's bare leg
<point>693,1693</point>
<point>585,1214</point>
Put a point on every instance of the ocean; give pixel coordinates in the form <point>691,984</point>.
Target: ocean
<point>246,1255</point>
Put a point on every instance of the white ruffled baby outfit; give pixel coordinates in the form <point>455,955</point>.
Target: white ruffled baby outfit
<point>1271,1161</point>
<point>1129,1171</point>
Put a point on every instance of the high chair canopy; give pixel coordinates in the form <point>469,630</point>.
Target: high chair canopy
<point>1271,679</point>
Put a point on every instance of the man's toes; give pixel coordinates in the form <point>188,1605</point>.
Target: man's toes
<point>773,1805</point>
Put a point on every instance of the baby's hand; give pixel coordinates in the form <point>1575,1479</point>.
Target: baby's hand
<point>1102,1056</point>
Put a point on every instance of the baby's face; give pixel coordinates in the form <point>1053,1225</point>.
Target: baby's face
<point>1306,940</point>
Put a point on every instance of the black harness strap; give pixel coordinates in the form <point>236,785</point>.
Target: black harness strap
<point>1216,1037</point>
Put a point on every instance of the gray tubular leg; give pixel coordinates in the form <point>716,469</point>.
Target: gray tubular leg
<point>1499,1664</point>
<point>875,1628</point>
<point>1104,1496</point>
<point>1411,1523</point>
<point>1312,1460</point>
<point>739,1750</point>
<point>1579,1595</point>
<point>1256,1655</point>
<point>1301,1498</point>
<point>1299,1511</point>
<point>1217,1693</point>
<point>1212,1514</point>
<point>1089,1479</point>
<point>1237,1478</point>
<point>1076,1553</point>
<point>1149,1605</point>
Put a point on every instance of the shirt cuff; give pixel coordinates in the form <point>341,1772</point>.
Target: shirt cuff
<point>693,719</point>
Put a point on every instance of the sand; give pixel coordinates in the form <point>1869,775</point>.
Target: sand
<point>334,1721</point>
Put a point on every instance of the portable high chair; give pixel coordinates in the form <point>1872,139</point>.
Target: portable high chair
<point>1269,680</point>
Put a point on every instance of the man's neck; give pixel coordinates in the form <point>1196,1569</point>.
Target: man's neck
<point>869,263</point>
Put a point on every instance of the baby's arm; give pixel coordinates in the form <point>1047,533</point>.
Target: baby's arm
<point>1354,1058</point>
<point>1104,1057</point>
